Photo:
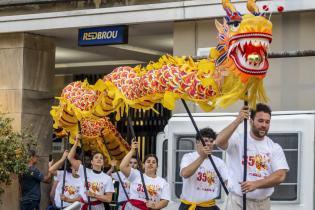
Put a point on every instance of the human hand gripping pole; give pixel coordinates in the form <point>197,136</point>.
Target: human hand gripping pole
<point>204,144</point>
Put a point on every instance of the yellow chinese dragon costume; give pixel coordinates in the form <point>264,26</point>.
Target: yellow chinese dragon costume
<point>234,70</point>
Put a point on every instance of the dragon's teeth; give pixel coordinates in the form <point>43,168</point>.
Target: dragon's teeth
<point>261,65</point>
<point>242,47</point>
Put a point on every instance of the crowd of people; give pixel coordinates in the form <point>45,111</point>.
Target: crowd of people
<point>141,188</point>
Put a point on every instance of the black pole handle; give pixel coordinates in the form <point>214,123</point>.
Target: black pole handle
<point>64,170</point>
<point>245,156</point>
<point>84,168</point>
<point>204,144</point>
<point>137,156</point>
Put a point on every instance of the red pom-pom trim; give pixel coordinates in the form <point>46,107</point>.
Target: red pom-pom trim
<point>265,7</point>
<point>280,9</point>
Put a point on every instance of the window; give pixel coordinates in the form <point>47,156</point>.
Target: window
<point>57,147</point>
<point>288,190</point>
<point>184,145</point>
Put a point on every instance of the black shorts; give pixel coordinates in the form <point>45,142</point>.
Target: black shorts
<point>186,207</point>
<point>107,206</point>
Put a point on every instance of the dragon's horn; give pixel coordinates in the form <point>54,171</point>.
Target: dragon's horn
<point>228,7</point>
<point>252,7</point>
<point>231,12</point>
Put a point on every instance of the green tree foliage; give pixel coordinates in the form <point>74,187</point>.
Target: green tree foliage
<point>14,147</point>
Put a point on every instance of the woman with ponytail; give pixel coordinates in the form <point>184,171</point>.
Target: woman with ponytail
<point>157,187</point>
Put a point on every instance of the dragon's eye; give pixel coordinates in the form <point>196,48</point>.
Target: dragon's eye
<point>234,26</point>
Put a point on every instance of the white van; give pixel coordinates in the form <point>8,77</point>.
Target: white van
<point>293,130</point>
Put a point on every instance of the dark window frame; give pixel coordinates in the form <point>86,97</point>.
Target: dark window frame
<point>297,184</point>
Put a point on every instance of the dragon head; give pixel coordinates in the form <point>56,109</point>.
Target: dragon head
<point>244,42</point>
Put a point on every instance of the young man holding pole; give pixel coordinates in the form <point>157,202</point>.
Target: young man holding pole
<point>201,184</point>
<point>266,162</point>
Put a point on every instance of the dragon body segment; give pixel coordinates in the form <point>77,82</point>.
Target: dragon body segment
<point>168,82</point>
<point>234,70</point>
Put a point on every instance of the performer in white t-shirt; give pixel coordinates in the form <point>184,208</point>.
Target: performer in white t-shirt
<point>100,185</point>
<point>266,164</point>
<point>72,184</point>
<point>201,184</point>
<point>124,187</point>
<point>158,189</point>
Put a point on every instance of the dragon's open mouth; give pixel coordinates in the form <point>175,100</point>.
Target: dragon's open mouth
<point>249,52</point>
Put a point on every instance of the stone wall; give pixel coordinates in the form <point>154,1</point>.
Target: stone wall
<point>26,79</point>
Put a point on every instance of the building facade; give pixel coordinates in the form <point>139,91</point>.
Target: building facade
<point>39,52</point>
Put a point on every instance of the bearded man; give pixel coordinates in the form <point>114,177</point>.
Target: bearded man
<point>266,163</point>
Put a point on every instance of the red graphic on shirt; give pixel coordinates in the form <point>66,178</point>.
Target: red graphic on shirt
<point>208,176</point>
<point>259,162</point>
<point>71,190</point>
<point>140,188</point>
<point>94,187</point>
<point>126,185</point>
<point>151,189</point>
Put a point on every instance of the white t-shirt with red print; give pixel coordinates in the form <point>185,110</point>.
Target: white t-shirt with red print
<point>71,189</point>
<point>98,183</point>
<point>204,184</point>
<point>263,158</point>
<point>158,189</point>
<point>125,184</point>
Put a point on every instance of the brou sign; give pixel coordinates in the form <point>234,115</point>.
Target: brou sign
<point>103,35</point>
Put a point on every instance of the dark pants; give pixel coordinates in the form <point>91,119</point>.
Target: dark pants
<point>30,205</point>
<point>51,207</point>
<point>186,207</point>
<point>107,206</point>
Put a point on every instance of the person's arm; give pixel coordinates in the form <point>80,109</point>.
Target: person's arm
<point>74,163</point>
<point>161,204</point>
<point>124,165</point>
<point>189,170</point>
<point>272,180</point>
<point>113,164</point>
<point>157,205</point>
<point>223,137</point>
<point>107,197</point>
<point>69,200</point>
<point>47,177</point>
<point>52,192</point>
<point>59,163</point>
